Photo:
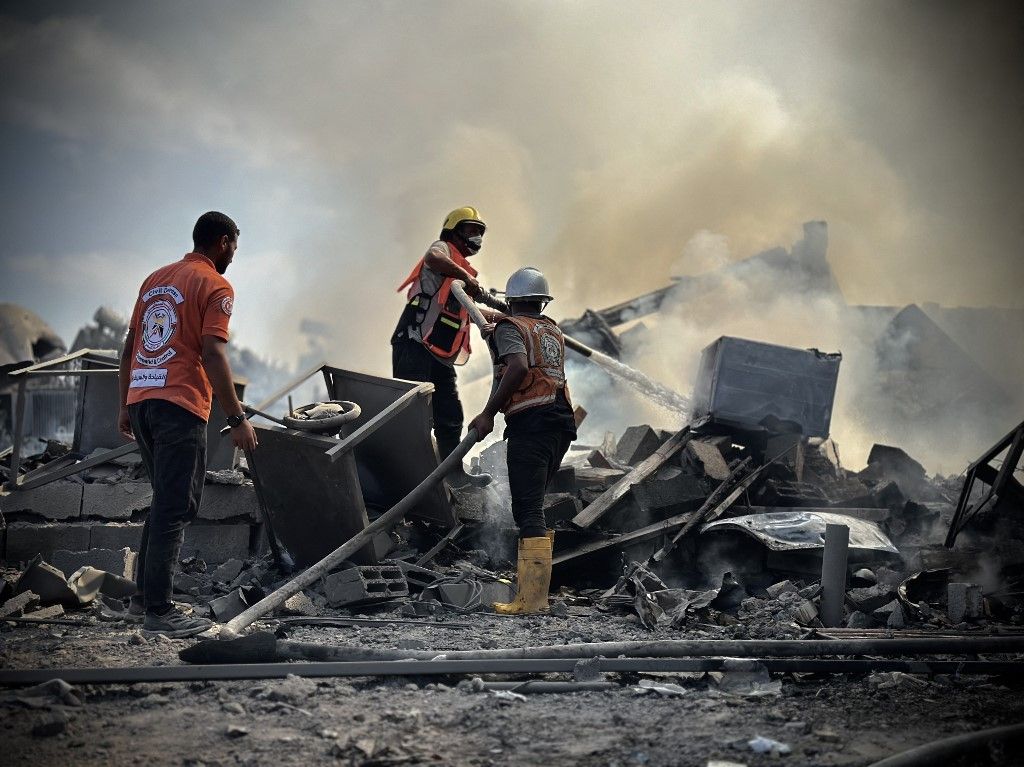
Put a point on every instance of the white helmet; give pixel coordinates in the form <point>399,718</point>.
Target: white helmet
<point>527,284</point>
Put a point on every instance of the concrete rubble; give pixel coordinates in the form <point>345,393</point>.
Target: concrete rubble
<point>711,532</point>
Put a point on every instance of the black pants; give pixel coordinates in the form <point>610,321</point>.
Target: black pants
<point>533,460</point>
<point>411,360</point>
<point>172,442</point>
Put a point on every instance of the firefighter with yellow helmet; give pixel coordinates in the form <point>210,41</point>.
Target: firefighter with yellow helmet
<point>432,335</point>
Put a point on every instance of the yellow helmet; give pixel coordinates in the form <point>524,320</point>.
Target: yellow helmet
<point>460,215</point>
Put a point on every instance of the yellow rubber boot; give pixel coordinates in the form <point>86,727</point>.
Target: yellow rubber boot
<point>533,580</point>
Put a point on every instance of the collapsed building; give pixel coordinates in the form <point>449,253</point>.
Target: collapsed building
<point>742,524</point>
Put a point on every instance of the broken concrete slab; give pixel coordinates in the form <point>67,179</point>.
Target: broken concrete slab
<point>221,501</point>
<point>782,587</point>
<point>636,444</point>
<point>16,606</point>
<point>47,581</point>
<point>117,502</point>
<point>228,571</point>
<point>869,598</point>
<point>890,614</point>
<point>26,539</point>
<point>120,562</point>
<point>58,501</point>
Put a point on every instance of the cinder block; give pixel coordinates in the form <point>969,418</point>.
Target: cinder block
<point>58,500</point>
<point>564,481</point>
<point>116,502</point>
<point>26,539</point>
<point>708,457</point>
<point>368,583</point>
<point>115,536</point>
<point>217,543</point>
<point>680,490</point>
<point>636,444</point>
<point>561,507</point>
<point>229,502</point>
<point>120,562</point>
<point>964,602</point>
<point>596,478</point>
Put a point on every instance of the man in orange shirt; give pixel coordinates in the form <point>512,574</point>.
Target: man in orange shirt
<point>174,360</point>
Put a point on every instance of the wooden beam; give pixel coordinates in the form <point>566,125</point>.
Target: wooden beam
<point>643,470</point>
<point>651,531</point>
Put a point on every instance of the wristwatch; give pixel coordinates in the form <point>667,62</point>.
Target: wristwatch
<point>235,420</point>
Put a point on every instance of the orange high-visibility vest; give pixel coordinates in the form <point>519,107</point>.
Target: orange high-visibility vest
<point>545,355</point>
<point>444,323</point>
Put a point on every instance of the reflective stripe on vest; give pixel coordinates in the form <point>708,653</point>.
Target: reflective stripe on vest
<point>545,355</point>
<point>443,308</point>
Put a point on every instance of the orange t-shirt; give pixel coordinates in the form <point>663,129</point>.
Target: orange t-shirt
<point>177,306</point>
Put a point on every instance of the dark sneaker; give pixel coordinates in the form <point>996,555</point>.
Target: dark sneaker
<point>174,625</point>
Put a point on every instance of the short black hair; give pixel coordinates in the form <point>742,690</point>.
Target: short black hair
<point>210,228</point>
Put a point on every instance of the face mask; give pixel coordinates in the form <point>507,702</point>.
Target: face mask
<point>473,244</point>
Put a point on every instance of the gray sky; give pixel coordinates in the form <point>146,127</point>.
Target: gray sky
<point>598,139</point>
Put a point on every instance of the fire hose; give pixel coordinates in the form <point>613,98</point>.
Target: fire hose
<point>659,393</point>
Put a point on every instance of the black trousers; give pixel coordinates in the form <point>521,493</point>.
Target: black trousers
<point>533,459</point>
<point>172,442</point>
<point>410,360</point>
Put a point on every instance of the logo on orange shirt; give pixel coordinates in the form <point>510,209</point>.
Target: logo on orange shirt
<point>159,322</point>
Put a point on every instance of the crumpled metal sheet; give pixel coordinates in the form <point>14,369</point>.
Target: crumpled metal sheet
<point>793,530</point>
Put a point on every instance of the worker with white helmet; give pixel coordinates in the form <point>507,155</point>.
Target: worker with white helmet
<point>528,351</point>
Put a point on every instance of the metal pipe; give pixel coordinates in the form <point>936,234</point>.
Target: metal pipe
<point>133,674</point>
<point>833,574</point>
<point>242,621</point>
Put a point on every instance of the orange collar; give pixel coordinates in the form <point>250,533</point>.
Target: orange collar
<point>199,257</point>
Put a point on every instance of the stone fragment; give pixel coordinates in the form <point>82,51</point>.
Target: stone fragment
<point>863,577</point>
<point>47,581</point>
<point>709,458</point>
<point>299,604</point>
<point>804,612</point>
<point>597,460</point>
<point>781,587</point>
<point>964,602</point>
<point>228,571</point>
<point>15,607</point>
<point>636,444</point>
<point>561,507</point>
<point>859,620</point>
<point>53,611</point>
<point>891,614</point>
<point>870,598</point>
<point>236,731</point>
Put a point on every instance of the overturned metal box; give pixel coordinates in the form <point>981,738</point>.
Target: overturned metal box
<point>317,489</point>
<point>753,385</point>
